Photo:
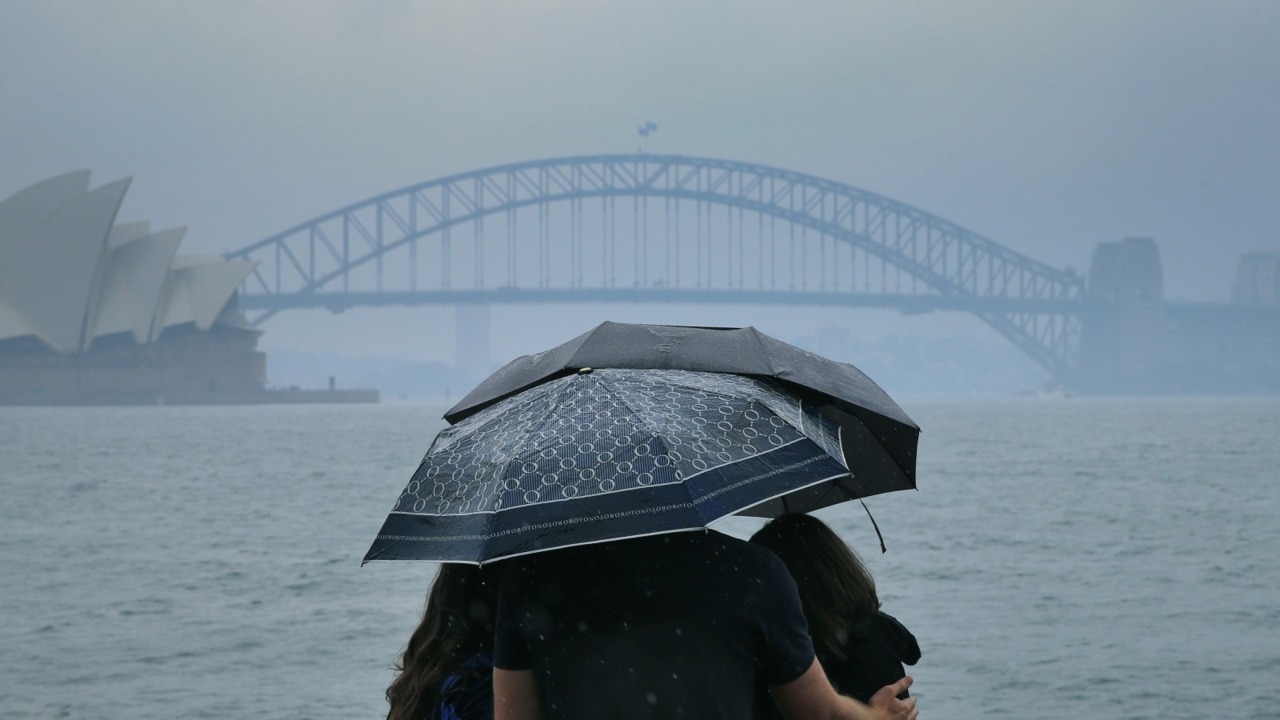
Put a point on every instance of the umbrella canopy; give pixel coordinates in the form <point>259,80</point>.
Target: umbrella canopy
<point>879,438</point>
<point>610,454</point>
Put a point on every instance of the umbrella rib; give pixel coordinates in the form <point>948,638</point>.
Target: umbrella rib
<point>892,456</point>
<point>554,394</point>
<point>764,352</point>
<point>783,495</point>
<point>596,542</point>
<point>756,478</point>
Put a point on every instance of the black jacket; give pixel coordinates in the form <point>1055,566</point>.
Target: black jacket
<point>875,651</point>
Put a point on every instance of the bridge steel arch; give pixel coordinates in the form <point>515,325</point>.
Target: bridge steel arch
<point>857,248</point>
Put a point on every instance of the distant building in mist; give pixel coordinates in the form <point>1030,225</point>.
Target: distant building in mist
<point>1257,279</point>
<point>1133,342</point>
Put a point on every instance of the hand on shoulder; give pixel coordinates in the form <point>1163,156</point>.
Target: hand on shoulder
<point>886,704</point>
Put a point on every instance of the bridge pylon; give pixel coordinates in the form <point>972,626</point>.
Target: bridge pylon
<point>472,338</point>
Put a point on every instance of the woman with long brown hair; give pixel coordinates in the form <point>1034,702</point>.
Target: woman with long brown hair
<point>447,668</point>
<point>861,648</point>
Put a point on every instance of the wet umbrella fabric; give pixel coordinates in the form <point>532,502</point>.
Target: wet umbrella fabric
<point>879,439</point>
<point>604,455</point>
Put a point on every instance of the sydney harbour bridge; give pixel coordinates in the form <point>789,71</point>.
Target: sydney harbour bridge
<point>674,229</point>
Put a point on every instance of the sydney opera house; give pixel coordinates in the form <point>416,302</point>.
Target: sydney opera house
<point>93,311</point>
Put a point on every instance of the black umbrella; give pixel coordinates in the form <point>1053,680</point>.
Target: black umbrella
<point>879,439</point>
<point>609,454</point>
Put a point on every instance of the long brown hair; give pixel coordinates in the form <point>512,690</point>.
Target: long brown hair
<point>835,587</point>
<point>456,624</point>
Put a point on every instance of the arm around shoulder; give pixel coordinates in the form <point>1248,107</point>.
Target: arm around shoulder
<point>811,696</point>
<point>515,695</point>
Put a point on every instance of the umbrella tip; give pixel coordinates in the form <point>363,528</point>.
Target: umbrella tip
<point>584,371</point>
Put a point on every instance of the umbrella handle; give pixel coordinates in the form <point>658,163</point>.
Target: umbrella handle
<point>883,549</point>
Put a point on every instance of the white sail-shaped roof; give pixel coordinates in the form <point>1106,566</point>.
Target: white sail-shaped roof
<point>122,233</point>
<point>69,274</point>
<point>199,288</point>
<point>11,323</point>
<point>19,214</point>
<point>49,271</point>
<point>134,280</point>
<point>22,211</point>
<point>116,316</point>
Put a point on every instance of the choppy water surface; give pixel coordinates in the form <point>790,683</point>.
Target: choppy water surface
<point>1063,558</point>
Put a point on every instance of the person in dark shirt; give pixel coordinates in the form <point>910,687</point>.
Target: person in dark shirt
<point>680,625</point>
<point>861,647</point>
<point>446,671</point>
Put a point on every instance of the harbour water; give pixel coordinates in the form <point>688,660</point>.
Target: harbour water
<point>1062,558</point>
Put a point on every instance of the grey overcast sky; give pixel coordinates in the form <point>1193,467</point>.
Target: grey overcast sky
<point>1045,126</point>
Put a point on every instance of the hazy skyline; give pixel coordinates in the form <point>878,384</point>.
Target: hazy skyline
<point>1047,127</point>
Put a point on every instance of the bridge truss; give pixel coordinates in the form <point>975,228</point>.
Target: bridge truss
<point>660,228</point>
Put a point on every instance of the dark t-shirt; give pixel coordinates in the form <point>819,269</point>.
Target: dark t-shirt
<point>669,626</point>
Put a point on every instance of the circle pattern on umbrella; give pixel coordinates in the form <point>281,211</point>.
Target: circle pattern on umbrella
<point>606,431</point>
